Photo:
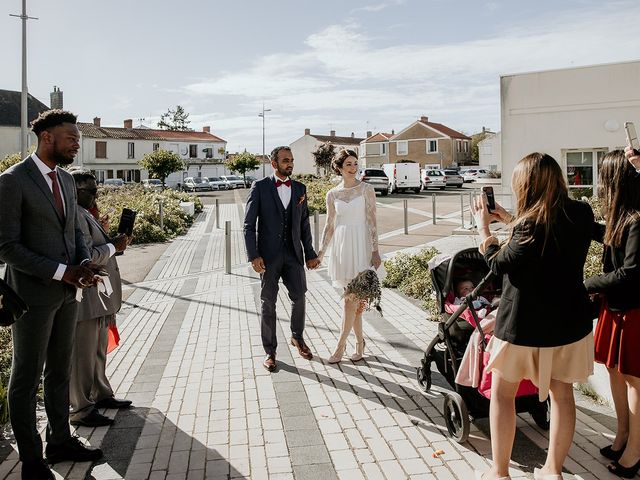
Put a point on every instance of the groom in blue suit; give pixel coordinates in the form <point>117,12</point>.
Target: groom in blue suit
<point>279,249</point>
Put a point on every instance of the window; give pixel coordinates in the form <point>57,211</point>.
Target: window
<point>466,147</point>
<point>131,150</point>
<point>193,151</point>
<point>402,147</point>
<point>581,171</point>
<point>383,148</point>
<point>458,146</point>
<point>432,146</point>
<point>208,152</point>
<point>101,149</point>
<point>156,147</point>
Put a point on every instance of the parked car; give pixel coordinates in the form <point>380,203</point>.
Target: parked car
<point>152,184</point>
<point>432,178</point>
<point>216,183</point>
<point>403,176</point>
<point>376,178</point>
<point>114,182</point>
<point>452,178</point>
<point>471,174</point>
<point>248,181</point>
<point>195,184</point>
<point>233,180</point>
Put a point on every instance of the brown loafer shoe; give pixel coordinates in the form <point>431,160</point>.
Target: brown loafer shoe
<point>270,363</point>
<point>303,350</point>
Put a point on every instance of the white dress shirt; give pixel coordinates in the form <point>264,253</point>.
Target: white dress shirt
<point>284,192</point>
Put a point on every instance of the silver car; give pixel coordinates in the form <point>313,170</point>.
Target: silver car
<point>432,178</point>
<point>452,178</point>
<point>233,180</point>
<point>376,178</point>
<point>216,183</point>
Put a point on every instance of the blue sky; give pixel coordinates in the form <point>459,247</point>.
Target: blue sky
<point>344,65</point>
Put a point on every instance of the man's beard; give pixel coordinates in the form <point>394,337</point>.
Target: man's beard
<point>59,158</point>
<point>284,171</point>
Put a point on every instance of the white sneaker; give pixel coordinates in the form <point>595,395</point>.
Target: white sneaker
<point>539,476</point>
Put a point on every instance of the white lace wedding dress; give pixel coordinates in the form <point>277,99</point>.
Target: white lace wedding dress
<point>351,224</point>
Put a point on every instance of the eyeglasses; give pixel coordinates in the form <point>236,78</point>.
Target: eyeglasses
<point>92,191</point>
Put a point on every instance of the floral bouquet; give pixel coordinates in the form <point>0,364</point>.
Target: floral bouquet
<point>365,287</point>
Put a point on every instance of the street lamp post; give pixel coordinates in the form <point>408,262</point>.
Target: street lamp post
<point>24,116</point>
<point>264,110</point>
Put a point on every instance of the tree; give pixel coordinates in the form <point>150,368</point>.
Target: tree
<point>175,120</point>
<point>161,164</point>
<point>242,163</point>
<point>324,156</point>
<point>475,139</point>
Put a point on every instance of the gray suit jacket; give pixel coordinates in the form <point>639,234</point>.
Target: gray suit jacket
<point>96,239</point>
<point>34,240</point>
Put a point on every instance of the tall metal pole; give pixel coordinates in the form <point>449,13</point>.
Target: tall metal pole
<point>263,142</point>
<point>24,115</point>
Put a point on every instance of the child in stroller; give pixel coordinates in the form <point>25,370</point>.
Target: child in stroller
<point>447,349</point>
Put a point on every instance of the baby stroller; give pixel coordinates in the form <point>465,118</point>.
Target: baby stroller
<point>449,345</point>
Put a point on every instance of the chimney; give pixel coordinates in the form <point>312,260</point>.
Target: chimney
<point>307,131</point>
<point>368,133</point>
<point>424,119</point>
<point>56,98</point>
<point>352,135</point>
<point>333,133</point>
<point>96,121</point>
<point>393,132</point>
<point>128,123</point>
<point>206,129</point>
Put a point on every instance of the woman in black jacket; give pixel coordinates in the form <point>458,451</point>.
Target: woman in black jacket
<point>617,335</point>
<point>543,327</point>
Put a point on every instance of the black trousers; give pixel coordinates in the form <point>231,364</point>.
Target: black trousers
<point>286,267</point>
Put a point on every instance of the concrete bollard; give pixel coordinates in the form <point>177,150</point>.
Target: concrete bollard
<point>406,217</point>
<point>462,210</point>
<point>161,211</point>
<point>433,208</point>
<point>227,247</point>
<point>217,213</point>
<point>316,230</point>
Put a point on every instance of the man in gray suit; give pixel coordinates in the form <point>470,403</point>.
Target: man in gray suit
<point>90,388</point>
<point>47,260</point>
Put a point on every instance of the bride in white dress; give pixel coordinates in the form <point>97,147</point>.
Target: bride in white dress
<point>351,224</point>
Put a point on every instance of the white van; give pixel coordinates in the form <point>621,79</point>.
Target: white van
<point>403,176</point>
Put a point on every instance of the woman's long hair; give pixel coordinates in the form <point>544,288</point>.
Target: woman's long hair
<point>540,193</point>
<point>619,192</point>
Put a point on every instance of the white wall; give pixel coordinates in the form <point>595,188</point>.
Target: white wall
<point>302,150</point>
<point>10,141</point>
<point>489,151</point>
<point>563,110</point>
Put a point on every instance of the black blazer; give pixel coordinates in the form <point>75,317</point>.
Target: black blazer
<point>544,301</point>
<point>621,277</point>
<point>265,208</point>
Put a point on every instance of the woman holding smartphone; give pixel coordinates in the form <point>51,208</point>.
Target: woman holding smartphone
<point>549,342</point>
<point>618,328</point>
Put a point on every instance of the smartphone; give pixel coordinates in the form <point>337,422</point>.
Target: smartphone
<point>632,136</point>
<point>491,199</point>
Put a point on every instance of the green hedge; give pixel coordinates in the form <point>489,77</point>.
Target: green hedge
<point>410,274</point>
<point>317,188</point>
<point>147,227</point>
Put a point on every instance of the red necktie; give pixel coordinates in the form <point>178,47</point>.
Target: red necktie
<point>280,182</point>
<point>57,197</point>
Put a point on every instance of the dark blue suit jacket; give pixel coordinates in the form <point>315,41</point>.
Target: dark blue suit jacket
<point>265,209</point>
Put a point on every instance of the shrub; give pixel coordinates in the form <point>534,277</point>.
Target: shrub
<point>317,189</point>
<point>146,203</point>
<point>409,273</point>
<point>5,371</point>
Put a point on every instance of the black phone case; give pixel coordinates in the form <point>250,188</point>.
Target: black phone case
<point>127,219</point>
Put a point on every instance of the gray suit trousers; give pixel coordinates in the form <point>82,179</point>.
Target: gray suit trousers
<point>286,267</point>
<point>43,337</point>
<point>89,382</point>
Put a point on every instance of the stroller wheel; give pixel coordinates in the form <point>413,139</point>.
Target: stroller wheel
<point>542,415</point>
<point>424,378</point>
<point>456,417</point>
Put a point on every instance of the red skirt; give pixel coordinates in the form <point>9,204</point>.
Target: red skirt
<point>616,340</point>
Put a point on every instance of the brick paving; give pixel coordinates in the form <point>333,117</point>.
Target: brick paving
<point>190,359</point>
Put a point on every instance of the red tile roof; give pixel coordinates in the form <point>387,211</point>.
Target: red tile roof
<point>93,131</point>
<point>379,137</point>
<point>450,132</point>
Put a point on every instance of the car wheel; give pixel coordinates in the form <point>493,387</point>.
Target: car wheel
<point>442,188</point>
<point>460,186</point>
<point>384,192</point>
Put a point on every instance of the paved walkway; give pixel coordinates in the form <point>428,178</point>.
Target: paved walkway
<point>191,356</point>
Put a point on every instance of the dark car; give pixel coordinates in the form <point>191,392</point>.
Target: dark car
<point>248,181</point>
<point>376,178</point>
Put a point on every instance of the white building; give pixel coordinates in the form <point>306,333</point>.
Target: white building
<point>303,148</point>
<point>10,106</point>
<point>114,152</point>
<point>489,151</point>
<point>575,115</point>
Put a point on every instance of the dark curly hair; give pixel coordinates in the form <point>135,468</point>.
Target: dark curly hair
<point>50,119</point>
<point>338,160</point>
<point>275,151</point>
<point>81,175</point>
